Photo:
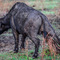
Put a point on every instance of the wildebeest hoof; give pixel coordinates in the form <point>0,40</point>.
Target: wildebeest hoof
<point>15,50</point>
<point>35,56</point>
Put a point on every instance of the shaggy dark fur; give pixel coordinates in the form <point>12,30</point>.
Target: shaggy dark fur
<point>27,21</point>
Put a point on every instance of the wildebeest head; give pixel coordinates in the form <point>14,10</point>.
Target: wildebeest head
<point>3,26</point>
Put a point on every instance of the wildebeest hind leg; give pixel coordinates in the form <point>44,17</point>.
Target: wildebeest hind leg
<point>36,41</point>
<point>23,41</point>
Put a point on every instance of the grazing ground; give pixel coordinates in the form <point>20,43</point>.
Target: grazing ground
<point>51,10</point>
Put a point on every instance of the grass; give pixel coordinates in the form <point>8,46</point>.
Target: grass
<point>48,12</point>
<point>47,4</point>
<point>14,56</point>
<point>22,56</point>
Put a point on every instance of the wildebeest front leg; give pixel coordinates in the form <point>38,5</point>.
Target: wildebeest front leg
<point>23,41</point>
<point>15,33</point>
<point>16,36</point>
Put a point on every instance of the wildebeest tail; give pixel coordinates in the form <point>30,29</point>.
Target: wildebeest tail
<point>56,38</point>
<point>43,17</point>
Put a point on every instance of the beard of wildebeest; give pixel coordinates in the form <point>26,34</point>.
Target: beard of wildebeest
<point>27,21</point>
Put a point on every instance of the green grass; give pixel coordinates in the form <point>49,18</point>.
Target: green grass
<point>22,56</point>
<point>16,56</point>
<point>50,5</point>
<point>48,12</point>
<point>47,4</point>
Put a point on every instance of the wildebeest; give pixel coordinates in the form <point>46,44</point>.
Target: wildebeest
<point>29,22</point>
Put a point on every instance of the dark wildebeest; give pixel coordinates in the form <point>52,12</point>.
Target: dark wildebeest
<point>27,21</point>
